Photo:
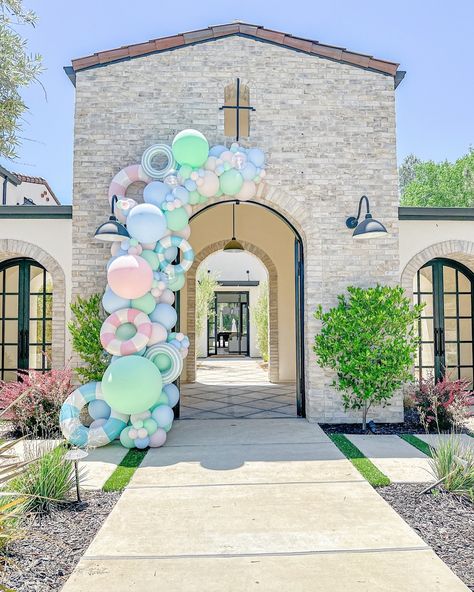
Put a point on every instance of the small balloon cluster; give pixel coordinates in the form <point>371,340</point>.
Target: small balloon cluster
<point>135,398</point>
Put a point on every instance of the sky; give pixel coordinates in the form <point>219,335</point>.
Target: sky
<point>431,39</point>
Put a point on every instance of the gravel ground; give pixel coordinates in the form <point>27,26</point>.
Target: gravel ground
<point>443,521</point>
<point>49,549</point>
<point>411,425</point>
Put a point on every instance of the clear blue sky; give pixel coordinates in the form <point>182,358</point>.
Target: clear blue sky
<point>432,40</point>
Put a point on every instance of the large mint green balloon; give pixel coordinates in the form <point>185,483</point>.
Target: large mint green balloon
<point>145,303</point>
<point>190,147</point>
<point>231,182</point>
<point>131,384</point>
<point>177,219</point>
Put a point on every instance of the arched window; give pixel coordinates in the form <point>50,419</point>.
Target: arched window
<point>237,110</point>
<point>26,303</point>
<point>446,324</point>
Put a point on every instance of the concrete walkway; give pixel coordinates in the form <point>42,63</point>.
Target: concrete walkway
<point>266,505</point>
<point>399,460</point>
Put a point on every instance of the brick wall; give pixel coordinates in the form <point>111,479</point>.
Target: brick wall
<point>327,128</point>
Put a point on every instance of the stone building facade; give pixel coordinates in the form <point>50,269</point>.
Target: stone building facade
<point>327,126</point>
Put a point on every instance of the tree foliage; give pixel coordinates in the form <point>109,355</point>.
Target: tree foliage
<point>369,339</point>
<point>85,333</point>
<point>260,315</point>
<point>432,184</point>
<point>206,286</point>
<point>18,69</point>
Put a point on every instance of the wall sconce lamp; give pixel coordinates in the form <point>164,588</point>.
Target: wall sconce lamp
<point>112,230</point>
<point>369,227</point>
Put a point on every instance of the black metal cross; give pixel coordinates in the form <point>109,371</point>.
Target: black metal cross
<point>237,108</point>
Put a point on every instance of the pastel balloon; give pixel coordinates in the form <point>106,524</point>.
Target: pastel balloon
<point>190,147</point>
<point>184,233</point>
<point>249,172</point>
<point>167,297</point>
<point>98,409</point>
<point>184,172</point>
<point>146,223</point>
<point>125,438</point>
<point>227,156</point>
<point>97,423</point>
<point>131,384</point>
<point>209,185</point>
<point>177,282</point>
<point>177,219</point>
<point>164,314</point>
<point>155,193</point>
<point>194,197</point>
<point>142,443</point>
<point>217,150</point>
<point>158,334</point>
<point>158,438</point>
<point>256,156</point>
<point>247,191</point>
<point>116,249</point>
<point>111,302</point>
<point>163,415</point>
<point>130,276</point>
<point>170,254</point>
<point>150,426</point>
<point>151,258</point>
<point>231,182</point>
<point>181,193</point>
<point>145,303</point>
<point>172,392</point>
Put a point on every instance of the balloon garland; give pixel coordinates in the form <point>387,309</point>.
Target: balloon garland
<point>135,398</point>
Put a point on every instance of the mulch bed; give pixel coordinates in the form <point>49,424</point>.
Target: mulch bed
<point>444,521</point>
<point>411,425</point>
<point>49,549</point>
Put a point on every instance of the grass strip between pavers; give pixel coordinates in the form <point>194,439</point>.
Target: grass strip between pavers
<point>363,464</point>
<point>417,443</point>
<point>120,478</point>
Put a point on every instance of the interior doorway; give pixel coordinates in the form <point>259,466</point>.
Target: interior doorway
<point>228,328</point>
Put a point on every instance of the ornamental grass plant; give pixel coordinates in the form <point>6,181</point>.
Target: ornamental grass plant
<point>453,463</point>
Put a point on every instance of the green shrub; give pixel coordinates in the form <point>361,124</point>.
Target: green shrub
<point>205,288</point>
<point>454,462</point>
<point>369,339</point>
<point>260,315</point>
<point>47,481</point>
<point>85,333</point>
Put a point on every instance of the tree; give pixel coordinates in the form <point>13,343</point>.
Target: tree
<point>206,286</point>
<point>369,339</point>
<point>260,315</point>
<point>85,333</point>
<point>17,69</point>
<point>443,184</point>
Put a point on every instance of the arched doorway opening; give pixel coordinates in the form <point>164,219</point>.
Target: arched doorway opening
<point>267,234</point>
<point>26,301</point>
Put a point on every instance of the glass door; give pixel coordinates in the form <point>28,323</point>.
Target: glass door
<point>446,324</point>
<point>228,330</point>
<point>26,301</point>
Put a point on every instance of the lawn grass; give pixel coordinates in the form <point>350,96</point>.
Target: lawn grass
<point>417,443</point>
<point>364,465</point>
<point>120,478</point>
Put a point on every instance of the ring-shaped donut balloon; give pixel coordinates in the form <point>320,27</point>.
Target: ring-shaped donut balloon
<point>108,332</point>
<point>187,255</point>
<point>75,431</point>
<point>124,178</point>
<point>175,359</point>
<point>151,153</point>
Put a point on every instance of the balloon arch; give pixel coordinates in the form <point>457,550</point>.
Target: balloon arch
<point>135,397</point>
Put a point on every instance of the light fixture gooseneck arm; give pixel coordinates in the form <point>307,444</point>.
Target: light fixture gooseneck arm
<point>353,221</point>
<point>113,201</point>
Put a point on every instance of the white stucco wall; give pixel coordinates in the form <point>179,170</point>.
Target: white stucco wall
<point>38,193</point>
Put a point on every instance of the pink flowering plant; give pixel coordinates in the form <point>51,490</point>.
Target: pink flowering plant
<point>443,405</point>
<point>35,400</point>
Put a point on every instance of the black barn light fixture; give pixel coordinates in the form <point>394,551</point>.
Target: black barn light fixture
<point>369,227</point>
<point>112,230</point>
<point>233,246</point>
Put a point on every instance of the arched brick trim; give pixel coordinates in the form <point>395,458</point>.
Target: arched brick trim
<point>273,362</point>
<point>17,248</point>
<point>443,249</point>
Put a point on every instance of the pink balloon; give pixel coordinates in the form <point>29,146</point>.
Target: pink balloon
<point>158,438</point>
<point>247,191</point>
<point>210,185</point>
<point>167,297</point>
<point>130,276</point>
<point>158,334</point>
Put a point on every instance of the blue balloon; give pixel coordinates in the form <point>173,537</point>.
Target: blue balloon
<point>164,314</point>
<point>256,156</point>
<point>172,392</point>
<point>111,302</point>
<point>249,172</point>
<point>155,193</point>
<point>217,150</point>
<point>171,253</point>
<point>99,409</point>
<point>190,185</point>
<point>181,193</point>
<point>142,442</point>
<point>146,223</point>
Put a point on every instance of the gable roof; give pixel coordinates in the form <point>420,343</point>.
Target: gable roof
<point>309,46</point>
<point>37,181</point>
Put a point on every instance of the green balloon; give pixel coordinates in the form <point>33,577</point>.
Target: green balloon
<point>131,384</point>
<point>231,182</point>
<point>177,282</point>
<point>177,219</point>
<point>163,400</point>
<point>125,439</point>
<point>145,303</point>
<point>185,172</point>
<point>194,197</point>
<point>150,426</point>
<point>190,147</point>
<point>162,362</point>
<point>126,331</point>
<point>152,258</point>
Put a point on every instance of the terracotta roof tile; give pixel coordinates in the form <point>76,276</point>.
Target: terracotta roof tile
<point>237,28</point>
<point>37,181</point>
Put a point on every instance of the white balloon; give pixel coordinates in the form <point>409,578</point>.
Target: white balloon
<point>167,297</point>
